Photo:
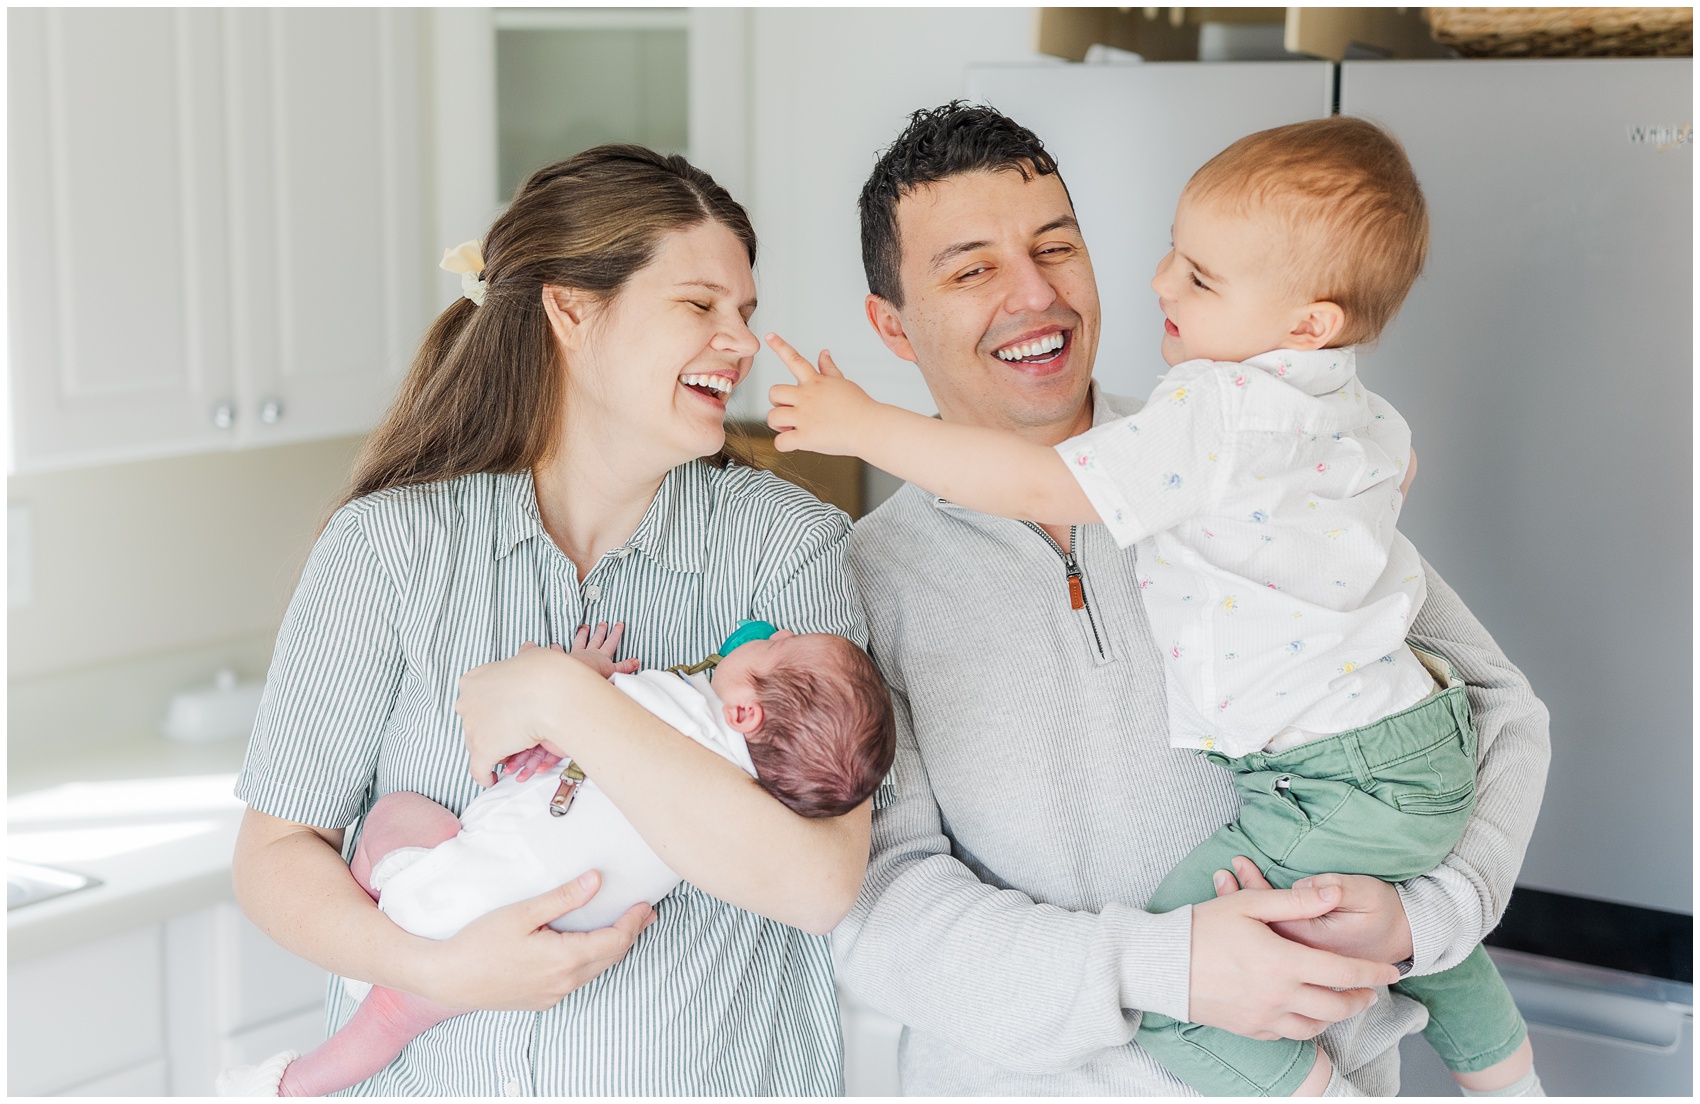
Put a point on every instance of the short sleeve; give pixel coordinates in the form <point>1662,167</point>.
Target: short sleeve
<point>807,587</point>
<point>1152,470</point>
<point>333,682</point>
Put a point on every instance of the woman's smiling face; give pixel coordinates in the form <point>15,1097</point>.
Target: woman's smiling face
<point>654,367</point>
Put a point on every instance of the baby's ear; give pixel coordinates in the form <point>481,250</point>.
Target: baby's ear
<point>745,718</point>
<point>1318,327</point>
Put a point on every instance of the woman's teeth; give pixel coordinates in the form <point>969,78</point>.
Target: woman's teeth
<point>719,385</point>
<point>1047,344</point>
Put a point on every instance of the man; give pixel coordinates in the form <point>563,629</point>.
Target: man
<point>1035,803</point>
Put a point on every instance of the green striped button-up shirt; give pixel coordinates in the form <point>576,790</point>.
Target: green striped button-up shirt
<point>408,589</point>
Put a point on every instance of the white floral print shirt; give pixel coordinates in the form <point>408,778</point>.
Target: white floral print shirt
<point>1265,498</point>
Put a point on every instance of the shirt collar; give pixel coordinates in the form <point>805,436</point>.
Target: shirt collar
<point>671,532</point>
<point>1313,371</point>
<point>517,519</point>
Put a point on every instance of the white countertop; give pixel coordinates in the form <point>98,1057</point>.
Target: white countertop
<point>155,821</point>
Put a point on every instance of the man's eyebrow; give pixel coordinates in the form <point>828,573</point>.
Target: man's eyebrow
<point>718,289</point>
<point>956,249</point>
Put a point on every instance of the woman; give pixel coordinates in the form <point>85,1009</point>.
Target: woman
<point>542,469</point>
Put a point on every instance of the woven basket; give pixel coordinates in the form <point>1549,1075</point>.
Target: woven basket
<point>1565,32</point>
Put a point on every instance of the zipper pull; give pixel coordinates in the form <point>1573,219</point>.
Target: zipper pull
<point>571,779</point>
<point>1076,587</point>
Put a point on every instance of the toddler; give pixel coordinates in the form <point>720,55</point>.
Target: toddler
<point>1263,484</point>
<point>809,716</point>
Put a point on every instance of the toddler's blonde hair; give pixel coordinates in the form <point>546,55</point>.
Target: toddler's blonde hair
<point>1352,212</point>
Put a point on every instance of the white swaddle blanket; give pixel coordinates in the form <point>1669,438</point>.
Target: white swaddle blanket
<point>511,848</point>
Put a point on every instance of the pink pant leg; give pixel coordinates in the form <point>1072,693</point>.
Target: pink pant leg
<point>387,1020</point>
<point>400,819</point>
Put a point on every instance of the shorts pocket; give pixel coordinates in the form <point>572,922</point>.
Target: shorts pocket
<point>1437,804</point>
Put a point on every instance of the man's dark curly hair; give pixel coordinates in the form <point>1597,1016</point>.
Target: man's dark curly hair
<point>938,143</point>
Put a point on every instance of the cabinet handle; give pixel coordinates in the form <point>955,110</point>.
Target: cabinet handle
<point>224,415</point>
<point>271,410</point>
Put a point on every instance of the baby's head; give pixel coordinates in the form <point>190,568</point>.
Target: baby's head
<point>1306,236</point>
<point>816,715</point>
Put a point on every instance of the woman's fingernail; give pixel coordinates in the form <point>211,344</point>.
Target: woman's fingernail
<point>1330,894</point>
<point>1221,879</point>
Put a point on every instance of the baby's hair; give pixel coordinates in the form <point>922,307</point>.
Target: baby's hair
<point>827,736</point>
<point>1355,220</point>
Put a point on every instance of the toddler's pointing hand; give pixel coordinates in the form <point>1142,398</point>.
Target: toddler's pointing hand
<point>821,412</point>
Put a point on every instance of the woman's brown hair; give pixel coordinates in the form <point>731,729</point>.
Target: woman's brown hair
<point>485,390</point>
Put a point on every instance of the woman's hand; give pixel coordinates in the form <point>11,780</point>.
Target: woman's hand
<point>511,960</point>
<point>513,705</point>
<point>822,412</point>
<point>1369,922</point>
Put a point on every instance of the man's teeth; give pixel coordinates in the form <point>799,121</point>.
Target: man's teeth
<point>1043,345</point>
<point>718,384</point>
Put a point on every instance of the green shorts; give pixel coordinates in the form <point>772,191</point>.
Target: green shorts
<point>1388,800</point>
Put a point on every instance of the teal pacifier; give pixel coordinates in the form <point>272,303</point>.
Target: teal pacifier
<point>743,634</point>
<point>746,632</point>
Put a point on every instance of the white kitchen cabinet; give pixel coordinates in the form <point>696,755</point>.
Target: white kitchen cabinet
<point>147,1079</point>
<point>233,997</point>
<point>329,261</point>
<point>117,260</point>
<point>217,227</point>
<point>83,1015</point>
<point>158,1010</point>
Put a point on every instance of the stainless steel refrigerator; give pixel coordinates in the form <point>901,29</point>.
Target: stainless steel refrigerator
<point>1545,364</point>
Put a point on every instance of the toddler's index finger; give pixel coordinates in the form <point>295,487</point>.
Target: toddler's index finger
<point>799,365</point>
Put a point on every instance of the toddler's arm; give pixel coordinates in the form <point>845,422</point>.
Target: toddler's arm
<point>983,469</point>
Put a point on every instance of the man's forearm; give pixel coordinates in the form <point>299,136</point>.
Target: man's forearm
<point>1026,986</point>
<point>1451,908</point>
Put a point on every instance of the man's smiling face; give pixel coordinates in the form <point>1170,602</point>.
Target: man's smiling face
<point>1000,307</point>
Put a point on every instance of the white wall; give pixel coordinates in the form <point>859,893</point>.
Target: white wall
<point>146,577</point>
<point>828,89</point>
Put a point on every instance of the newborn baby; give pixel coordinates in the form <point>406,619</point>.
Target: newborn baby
<point>808,716</point>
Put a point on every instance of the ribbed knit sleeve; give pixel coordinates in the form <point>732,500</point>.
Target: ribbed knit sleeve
<point>1451,908</point>
<point>1031,987</point>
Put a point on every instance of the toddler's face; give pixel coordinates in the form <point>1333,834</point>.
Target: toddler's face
<point>1221,288</point>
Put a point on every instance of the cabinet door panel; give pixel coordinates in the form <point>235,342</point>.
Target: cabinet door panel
<point>85,1013</point>
<point>328,238</point>
<point>266,982</point>
<point>119,339</point>
<point>147,1079</point>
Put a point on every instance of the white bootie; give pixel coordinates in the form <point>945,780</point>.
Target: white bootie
<point>260,1080</point>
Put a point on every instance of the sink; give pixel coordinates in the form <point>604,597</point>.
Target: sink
<point>27,883</point>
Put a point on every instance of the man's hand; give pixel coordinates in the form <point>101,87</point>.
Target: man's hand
<point>822,412</point>
<point>1252,982</point>
<point>595,649</point>
<point>1369,922</point>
